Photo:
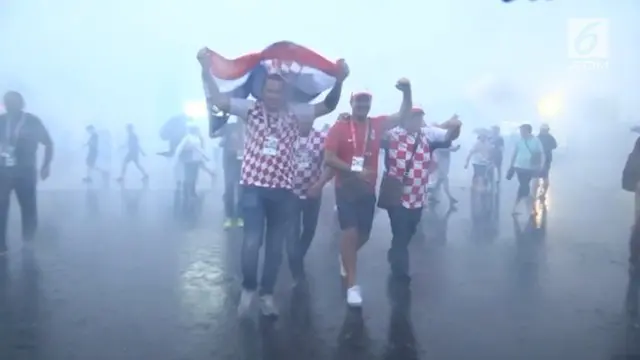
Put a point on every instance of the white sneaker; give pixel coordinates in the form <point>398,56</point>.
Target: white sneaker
<point>354,298</point>
<point>246,299</point>
<point>267,306</point>
<point>343,272</point>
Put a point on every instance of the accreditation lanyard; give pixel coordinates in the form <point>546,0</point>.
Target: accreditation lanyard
<point>12,137</point>
<point>355,140</point>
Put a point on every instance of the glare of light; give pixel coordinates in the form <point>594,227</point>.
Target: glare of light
<point>195,109</point>
<point>550,105</point>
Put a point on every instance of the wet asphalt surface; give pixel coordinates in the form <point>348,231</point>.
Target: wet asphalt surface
<point>113,275</point>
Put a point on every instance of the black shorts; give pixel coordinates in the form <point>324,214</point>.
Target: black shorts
<point>357,213</point>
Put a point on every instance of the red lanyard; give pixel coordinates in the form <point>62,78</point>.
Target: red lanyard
<point>354,137</point>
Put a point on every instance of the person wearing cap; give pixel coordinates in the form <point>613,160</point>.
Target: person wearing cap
<point>549,144</point>
<point>352,149</point>
<point>20,134</point>
<point>526,163</point>
<point>407,159</point>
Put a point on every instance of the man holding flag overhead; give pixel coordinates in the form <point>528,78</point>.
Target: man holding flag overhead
<point>271,128</point>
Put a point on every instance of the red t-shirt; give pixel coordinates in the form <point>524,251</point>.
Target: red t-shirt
<point>347,138</point>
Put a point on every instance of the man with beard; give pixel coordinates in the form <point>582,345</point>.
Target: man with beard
<point>352,149</point>
<point>20,135</point>
<point>272,127</point>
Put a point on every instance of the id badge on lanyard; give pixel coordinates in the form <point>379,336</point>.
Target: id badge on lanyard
<point>270,143</point>
<point>8,153</point>
<point>357,162</point>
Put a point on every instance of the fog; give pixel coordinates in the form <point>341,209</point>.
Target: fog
<point>111,63</point>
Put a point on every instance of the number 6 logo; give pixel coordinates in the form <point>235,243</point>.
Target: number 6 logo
<point>587,39</point>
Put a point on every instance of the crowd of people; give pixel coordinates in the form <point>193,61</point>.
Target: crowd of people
<point>286,163</point>
<point>276,165</point>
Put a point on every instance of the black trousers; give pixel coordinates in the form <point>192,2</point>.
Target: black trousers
<point>24,184</point>
<point>404,224</point>
<point>305,222</point>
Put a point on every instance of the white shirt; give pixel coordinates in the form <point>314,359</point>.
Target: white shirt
<point>192,144</point>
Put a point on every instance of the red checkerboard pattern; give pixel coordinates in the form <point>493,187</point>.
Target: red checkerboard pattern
<point>271,171</point>
<point>308,150</point>
<point>401,145</point>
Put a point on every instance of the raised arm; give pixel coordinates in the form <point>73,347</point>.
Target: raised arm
<point>213,94</point>
<point>405,106</point>
<point>216,123</point>
<point>330,102</point>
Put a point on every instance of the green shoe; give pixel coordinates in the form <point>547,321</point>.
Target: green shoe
<point>227,224</point>
<point>239,222</point>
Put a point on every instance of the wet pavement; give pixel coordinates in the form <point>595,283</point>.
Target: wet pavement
<point>114,275</point>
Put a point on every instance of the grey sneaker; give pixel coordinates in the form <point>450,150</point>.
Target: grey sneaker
<point>267,306</point>
<point>246,299</point>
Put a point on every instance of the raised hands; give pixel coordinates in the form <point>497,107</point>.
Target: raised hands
<point>204,57</point>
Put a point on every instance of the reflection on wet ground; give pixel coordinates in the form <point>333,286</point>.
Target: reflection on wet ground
<point>114,275</point>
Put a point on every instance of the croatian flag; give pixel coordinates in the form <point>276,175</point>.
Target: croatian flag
<point>308,73</point>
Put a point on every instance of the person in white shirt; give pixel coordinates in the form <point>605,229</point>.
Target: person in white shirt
<point>443,161</point>
<point>481,158</point>
<point>188,159</point>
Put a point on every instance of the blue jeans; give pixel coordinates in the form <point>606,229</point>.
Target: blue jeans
<point>267,216</point>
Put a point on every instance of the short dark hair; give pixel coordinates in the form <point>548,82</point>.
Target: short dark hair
<point>13,94</point>
<point>526,127</point>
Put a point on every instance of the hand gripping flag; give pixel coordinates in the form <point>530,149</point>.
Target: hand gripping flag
<point>308,73</point>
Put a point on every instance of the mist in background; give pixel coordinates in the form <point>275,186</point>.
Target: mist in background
<point>117,62</point>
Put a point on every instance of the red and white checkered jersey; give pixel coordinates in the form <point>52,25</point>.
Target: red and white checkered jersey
<point>307,161</point>
<point>259,169</point>
<point>401,146</point>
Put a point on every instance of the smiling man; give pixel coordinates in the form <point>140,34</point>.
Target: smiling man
<point>272,126</point>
